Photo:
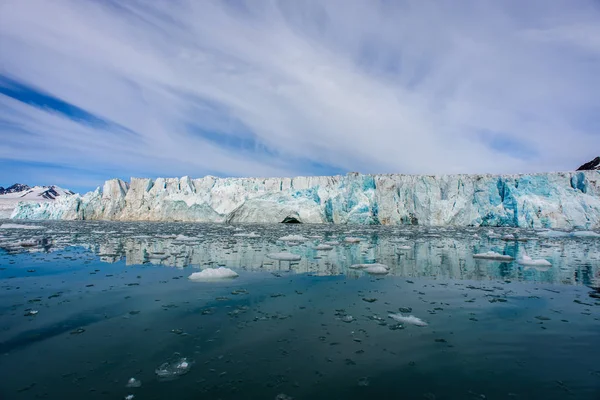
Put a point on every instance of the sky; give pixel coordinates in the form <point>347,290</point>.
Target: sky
<point>96,89</point>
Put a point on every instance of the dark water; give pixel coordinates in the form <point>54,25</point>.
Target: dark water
<point>114,303</point>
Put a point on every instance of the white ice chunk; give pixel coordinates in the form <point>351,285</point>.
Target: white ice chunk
<point>585,234</point>
<point>403,248</point>
<point>323,247</point>
<point>526,260</point>
<point>210,274</point>
<point>284,256</point>
<point>378,269</point>
<point>351,239</point>
<point>552,234</point>
<point>411,319</point>
<point>293,238</point>
<point>247,235</point>
<point>372,268</point>
<point>133,383</point>
<point>21,226</point>
<point>171,370</point>
<point>492,255</point>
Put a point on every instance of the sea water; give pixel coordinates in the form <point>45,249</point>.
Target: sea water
<point>105,310</point>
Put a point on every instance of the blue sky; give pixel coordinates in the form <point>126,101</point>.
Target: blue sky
<point>91,89</point>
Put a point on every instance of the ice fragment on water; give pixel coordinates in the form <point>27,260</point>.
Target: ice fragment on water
<point>293,238</point>
<point>526,260</point>
<point>173,369</point>
<point>210,274</point>
<point>133,383</point>
<point>411,319</point>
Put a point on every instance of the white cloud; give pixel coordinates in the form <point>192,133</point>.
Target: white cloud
<point>369,86</point>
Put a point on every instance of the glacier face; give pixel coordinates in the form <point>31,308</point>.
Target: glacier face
<point>564,200</point>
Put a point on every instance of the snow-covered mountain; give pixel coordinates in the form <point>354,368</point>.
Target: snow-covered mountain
<point>12,195</point>
<point>592,165</point>
<point>553,200</point>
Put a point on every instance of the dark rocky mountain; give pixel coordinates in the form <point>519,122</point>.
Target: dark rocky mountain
<point>592,165</point>
<point>17,187</point>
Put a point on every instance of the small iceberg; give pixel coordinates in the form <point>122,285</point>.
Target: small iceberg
<point>323,247</point>
<point>411,319</point>
<point>528,261</point>
<point>173,369</point>
<point>284,256</point>
<point>552,234</point>
<point>403,248</point>
<point>492,255</point>
<point>293,238</point>
<point>585,234</point>
<point>211,274</point>
<point>133,383</point>
<point>350,239</point>
<point>376,269</point>
<point>21,226</point>
<point>252,235</point>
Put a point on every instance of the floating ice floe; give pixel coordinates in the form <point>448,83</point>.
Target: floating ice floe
<point>372,268</point>
<point>293,238</point>
<point>351,239</point>
<point>284,256</point>
<point>21,226</point>
<point>173,369</point>
<point>323,247</point>
<point>552,234</point>
<point>403,248</point>
<point>129,397</point>
<point>585,234</point>
<point>332,243</point>
<point>247,235</point>
<point>411,319</point>
<point>184,238</point>
<point>133,383</point>
<point>492,255</point>
<point>210,274</point>
<point>378,269</point>
<point>526,260</point>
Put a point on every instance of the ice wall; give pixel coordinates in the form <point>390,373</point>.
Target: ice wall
<point>554,200</point>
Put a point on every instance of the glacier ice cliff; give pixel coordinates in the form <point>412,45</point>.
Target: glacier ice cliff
<point>567,200</point>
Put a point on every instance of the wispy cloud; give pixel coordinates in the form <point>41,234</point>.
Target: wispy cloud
<point>275,88</point>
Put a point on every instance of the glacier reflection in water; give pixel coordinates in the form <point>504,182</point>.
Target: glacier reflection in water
<point>326,250</point>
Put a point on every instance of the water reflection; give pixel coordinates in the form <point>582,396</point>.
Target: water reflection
<point>443,253</point>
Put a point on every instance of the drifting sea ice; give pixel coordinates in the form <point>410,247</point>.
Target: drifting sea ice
<point>350,239</point>
<point>284,256</point>
<point>323,247</point>
<point>21,226</point>
<point>133,383</point>
<point>247,235</point>
<point>411,319</point>
<point>526,260</point>
<point>378,269</point>
<point>173,369</point>
<point>492,255</point>
<point>210,274</point>
<point>585,234</point>
<point>293,238</point>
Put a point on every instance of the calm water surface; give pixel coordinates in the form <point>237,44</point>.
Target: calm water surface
<point>114,302</point>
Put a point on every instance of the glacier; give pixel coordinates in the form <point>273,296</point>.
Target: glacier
<point>560,200</point>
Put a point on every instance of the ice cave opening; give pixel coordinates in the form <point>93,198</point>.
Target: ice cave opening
<point>291,220</point>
